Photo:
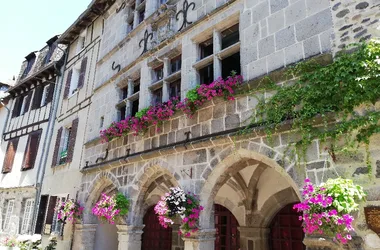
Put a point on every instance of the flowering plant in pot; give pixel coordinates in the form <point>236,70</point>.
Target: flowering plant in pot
<point>29,242</point>
<point>8,243</point>
<point>108,208</point>
<point>178,203</point>
<point>69,210</point>
<point>327,208</point>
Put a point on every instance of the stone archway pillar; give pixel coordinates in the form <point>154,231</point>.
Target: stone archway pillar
<point>316,243</point>
<point>254,238</point>
<point>84,236</point>
<point>201,240</point>
<point>129,237</point>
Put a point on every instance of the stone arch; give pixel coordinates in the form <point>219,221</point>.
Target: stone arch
<point>151,178</point>
<point>231,162</point>
<point>103,182</point>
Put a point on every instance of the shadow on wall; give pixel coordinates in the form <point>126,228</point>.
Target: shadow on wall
<point>106,237</point>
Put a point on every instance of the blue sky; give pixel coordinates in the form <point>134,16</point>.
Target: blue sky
<point>26,25</point>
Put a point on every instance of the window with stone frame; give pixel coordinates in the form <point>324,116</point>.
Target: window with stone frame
<point>31,150</point>
<point>175,89</point>
<point>129,104</point>
<point>122,112</point>
<point>27,216</point>
<point>230,36</point>
<point>57,226</point>
<point>131,17</point>
<point>158,73</point>
<point>175,64</point>
<point>141,14</point>
<point>10,155</point>
<point>10,204</point>
<point>230,51</point>
<point>157,96</point>
<point>206,48</point>
<point>206,74</point>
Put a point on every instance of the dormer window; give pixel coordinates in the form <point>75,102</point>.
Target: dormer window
<point>52,45</point>
<point>31,58</point>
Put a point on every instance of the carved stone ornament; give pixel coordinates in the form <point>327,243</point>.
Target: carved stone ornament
<point>147,36</point>
<point>185,8</point>
<point>372,216</point>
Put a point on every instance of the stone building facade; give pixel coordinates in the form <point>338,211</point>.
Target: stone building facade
<point>25,136</point>
<point>247,177</point>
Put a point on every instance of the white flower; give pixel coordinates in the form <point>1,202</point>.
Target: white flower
<point>36,237</point>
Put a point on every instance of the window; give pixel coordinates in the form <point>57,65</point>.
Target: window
<point>51,204</point>
<point>158,73</point>
<point>206,48</point>
<point>56,225</point>
<point>135,107</point>
<point>75,78</point>
<point>31,150</point>
<point>122,113</point>
<point>124,92</point>
<point>81,41</point>
<point>130,26</point>
<point>157,96</point>
<point>206,74</point>
<point>38,93</point>
<point>136,86</point>
<point>44,99</point>
<point>31,58</point>
<point>130,19</point>
<point>74,81</point>
<point>27,219</point>
<point>231,63</point>
<point>141,15</point>
<point>8,214</point>
<point>27,99</point>
<point>175,89</point>
<point>230,36</point>
<point>175,64</point>
<point>41,214</point>
<point>18,106</point>
<point>22,110</point>
<point>62,157</point>
<point>50,52</point>
<point>10,155</point>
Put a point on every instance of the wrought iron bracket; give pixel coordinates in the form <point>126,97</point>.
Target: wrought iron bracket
<point>145,41</point>
<point>185,8</point>
<point>128,153</point>
<point>187,139</point>
<point>117,67</point>
<point>102,158</point>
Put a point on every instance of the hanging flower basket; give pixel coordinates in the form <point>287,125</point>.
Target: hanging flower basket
<point>178,203</point>
<point>326,208</point>
<point>108,208</point>
<point>69,210</point>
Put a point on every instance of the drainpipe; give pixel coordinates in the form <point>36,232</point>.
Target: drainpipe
<point>44,156</point>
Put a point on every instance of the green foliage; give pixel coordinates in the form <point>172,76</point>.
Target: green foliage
<point>345,193</point>
<point>323,101</point>
<point>122,203</point>
<point>142,112</point>
<point>193,95</point>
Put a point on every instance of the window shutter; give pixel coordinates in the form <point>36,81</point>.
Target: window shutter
<point>68,82</point>
<point>16,107</point>
<point>31,151</point>
<point>27,101</point>
<point>73,136</point>
<point>41,213</point>
<point>10,156</point>
<point>50,212</point>
<point>56,147</point>
<point>51,93</point>
<point>37,97</point>
<point>82,74</point>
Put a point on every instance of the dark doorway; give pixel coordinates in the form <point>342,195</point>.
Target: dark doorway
<point>227,233</point>
<point>155,236</point>
<point>286,230</point>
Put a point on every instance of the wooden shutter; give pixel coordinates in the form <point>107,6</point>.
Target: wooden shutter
<point>37,97</point>
<point>28,98</point>
<point>56,147</point>
<point>41,213</point>
<point>82,74</point>
<point>73,136</point>
<point>51,92</point>
<point>10,155</point>
<point>16,108</point>
<point>50,214</point>
<point>68,82</point>
<point>31,150</point>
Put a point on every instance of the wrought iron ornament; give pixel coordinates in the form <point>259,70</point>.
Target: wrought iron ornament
<point>122,6</point>
<point>145,40</point>
<point>117,67</point>
<point>185,9</point>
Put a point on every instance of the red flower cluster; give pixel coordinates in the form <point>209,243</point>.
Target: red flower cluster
<point>155,115</point>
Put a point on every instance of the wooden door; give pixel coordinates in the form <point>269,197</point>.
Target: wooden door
<point>226,225</point>
<point>155,236</point>
<point>286,230</point>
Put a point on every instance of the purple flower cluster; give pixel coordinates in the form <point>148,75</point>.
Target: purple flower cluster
<point>155,115</point>
<point>105,209</point>
<point>321,216</point>
<point>69,210</point>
